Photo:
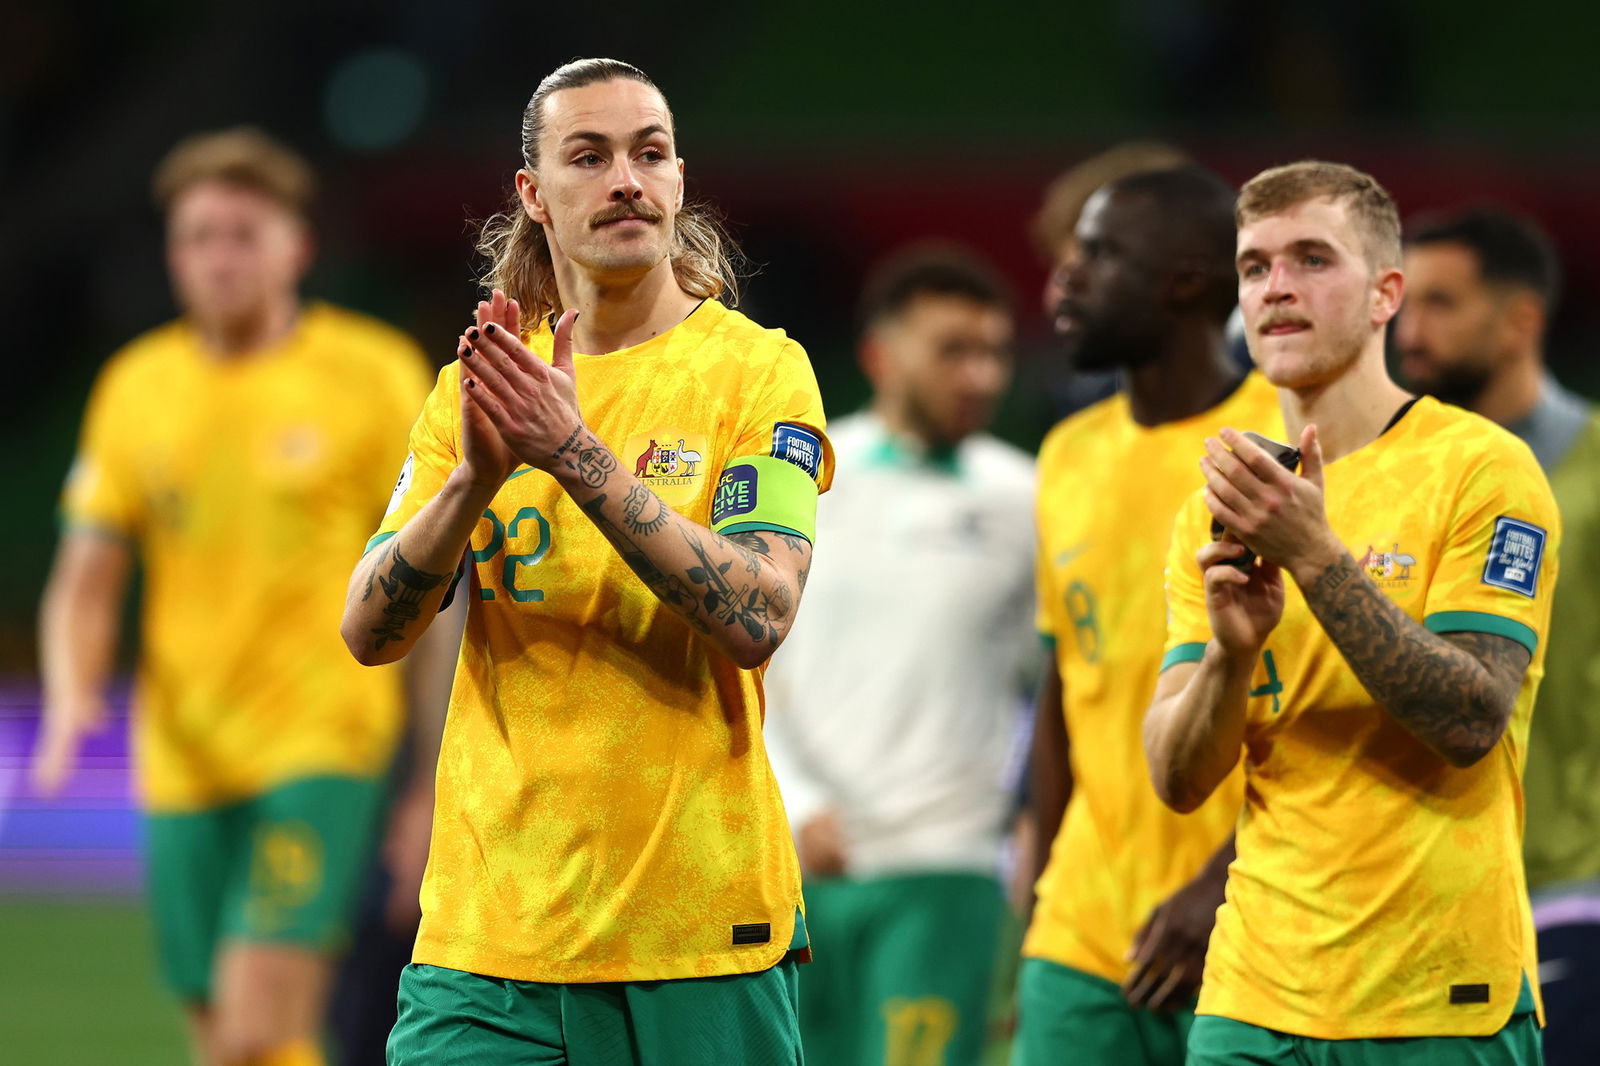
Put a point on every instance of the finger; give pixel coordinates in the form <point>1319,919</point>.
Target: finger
<point>1219,551</point>
<point>509,353</point>
<point>1228,491</point>
<point>482,316</point>
<point>497,307</point>
<point>561,353</point>
<point>1170,989</point>
<point>1222,512</point>
<point>514,318</point>
<point>493,368</point>
<point>1263,466</point>
<point>1229,466</point>
<point>1142,982</point>
<point>1311,456</point>
<point>491,406</point>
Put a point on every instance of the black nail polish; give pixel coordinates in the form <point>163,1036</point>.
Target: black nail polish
<point>489,329</point>
<point>471,384</point>
<point>472,334</point>
<point>467,354</point>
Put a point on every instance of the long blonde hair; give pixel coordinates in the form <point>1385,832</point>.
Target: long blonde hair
<point>704,258</point>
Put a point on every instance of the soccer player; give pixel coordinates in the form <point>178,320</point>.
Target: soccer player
<point>1374,670</point>
<point>241,453</point>
<point>893,710</point>
<point>612,877</point>
<point>1125,904</point>
<point>1480,287</point>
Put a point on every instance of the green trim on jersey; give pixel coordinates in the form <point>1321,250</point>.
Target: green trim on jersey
<point>377,540</point>
<point>1480,622</point>
<point>1048,640</point>
<point>762,492</point>
<point>745,527</point>
<point>1192,652</point>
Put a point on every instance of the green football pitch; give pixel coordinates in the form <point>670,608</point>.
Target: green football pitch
<point>79,986</point>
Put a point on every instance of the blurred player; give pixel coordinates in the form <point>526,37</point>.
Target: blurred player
<point>1375,670</point>
<point>611,877</point>
<point>239,451</point>
<point>1480,288</point>
<point>893,709</point>
<point>1125,904</point>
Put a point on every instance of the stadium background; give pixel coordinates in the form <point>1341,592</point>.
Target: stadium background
<point>829,134</point>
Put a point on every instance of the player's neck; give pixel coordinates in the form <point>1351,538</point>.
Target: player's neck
<point>1513,393</point>
<point>1190,376</point>
<point>1350,411</point>
<point>236,338</point>
<point>616,313</point>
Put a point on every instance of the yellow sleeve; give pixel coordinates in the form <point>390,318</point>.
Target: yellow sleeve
<point>1043,591</point>
<point>785,420</point>
<point>1497,571</point>
<point>432,456</point>
<point>1188,624</point>
<point>405,377</point>
<point>102,488</point>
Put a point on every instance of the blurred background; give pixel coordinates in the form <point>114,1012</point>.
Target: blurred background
<point>829,134</point>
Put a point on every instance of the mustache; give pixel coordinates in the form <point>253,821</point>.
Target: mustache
<point>626,209</point>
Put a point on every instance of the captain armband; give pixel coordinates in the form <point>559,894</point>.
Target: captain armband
<point>762,492</point>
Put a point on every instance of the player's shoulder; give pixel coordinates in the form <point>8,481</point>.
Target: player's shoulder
<point>152,356</point>
<point>998,462</point>
<point>1081,427</point>
<point>354,334</point>
<point>740,337</point>
<point>1464,441</point>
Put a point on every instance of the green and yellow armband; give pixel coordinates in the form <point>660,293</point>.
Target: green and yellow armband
<point>761,492</point>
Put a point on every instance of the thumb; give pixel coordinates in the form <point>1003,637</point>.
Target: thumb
<point>561,352</point>
<point>1311,456</point>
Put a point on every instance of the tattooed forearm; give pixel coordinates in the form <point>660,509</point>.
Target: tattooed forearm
<point>643,512</point>
<point>670,589</point>
<point>405,586</point>
<point>567,444</point>
<point>750,606</point>
<point>595,461</point>
<point>1454,693</point>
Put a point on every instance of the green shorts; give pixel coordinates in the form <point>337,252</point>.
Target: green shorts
<point>1218,1041</point>
<point>452,1018</point>
<point>903,969</point>
<point>281,867</point>
<point>1066,1015</point>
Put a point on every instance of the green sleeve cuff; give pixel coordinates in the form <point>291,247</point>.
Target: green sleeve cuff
<point>1483,622</point>
<point>761,492</point>
<point>1048,640</point>
<point>1191,652</point>
<point>377,540</point>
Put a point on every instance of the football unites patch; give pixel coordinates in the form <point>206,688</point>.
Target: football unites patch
<point>1515,553</point>
<point>796,444</point>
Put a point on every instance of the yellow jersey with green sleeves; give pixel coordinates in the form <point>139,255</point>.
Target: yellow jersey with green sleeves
<point>605,809</point>
<point>1109,489</point>
<point>248,485</point>
<point>1379,891</point>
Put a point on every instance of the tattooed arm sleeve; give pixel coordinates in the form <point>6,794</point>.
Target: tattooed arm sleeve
<point>741,590</point>
<point>1454,692</point>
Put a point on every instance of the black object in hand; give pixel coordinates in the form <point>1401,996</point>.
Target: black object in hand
<point>1287,457</point>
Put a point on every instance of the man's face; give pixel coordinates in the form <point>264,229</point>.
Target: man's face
<point>1310,300</point>
<point>233,251</point>
<point>609,183</point>
<point>944,360</point>
<point>1452,331</point>
<point>1112,307</point>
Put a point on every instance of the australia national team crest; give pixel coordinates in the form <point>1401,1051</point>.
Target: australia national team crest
<point>667,458</point>
<point>1388,569</point>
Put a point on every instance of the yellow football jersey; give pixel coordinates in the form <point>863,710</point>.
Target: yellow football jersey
<point>605,808</point>
<point>248,485</point>
<point>1378,891</point>
<point>1109,489</point>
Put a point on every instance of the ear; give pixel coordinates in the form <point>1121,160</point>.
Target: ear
<point>1388,292</point>
<point>528,193</point>
<point>680,185</point>
<point>871,356</point>
<point>1524,320</point>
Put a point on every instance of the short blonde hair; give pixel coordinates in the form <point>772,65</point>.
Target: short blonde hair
<point>242,156</point>
<point>1370,206</point>
<point>1064,198</point>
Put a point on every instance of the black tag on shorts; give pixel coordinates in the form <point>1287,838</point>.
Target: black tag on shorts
<point>1469,993</point>
<point>761,933</point>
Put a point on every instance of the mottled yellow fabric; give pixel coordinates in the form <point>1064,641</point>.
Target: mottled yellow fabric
<point>1372,876</point>
<point>248,485</point>
<point>1109,489</point>
<point>605,808</point>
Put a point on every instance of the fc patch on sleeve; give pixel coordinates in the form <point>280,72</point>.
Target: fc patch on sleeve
<point>796,444</point>
<point>735,495</point>
<point>1515,553</point>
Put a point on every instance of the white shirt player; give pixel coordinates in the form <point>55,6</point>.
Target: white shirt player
<point>898,696</point>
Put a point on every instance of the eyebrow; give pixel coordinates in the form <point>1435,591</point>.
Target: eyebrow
<point>1305,244</point>
<point>644,134</point>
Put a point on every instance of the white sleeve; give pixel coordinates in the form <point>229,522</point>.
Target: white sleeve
<point>804,794</point>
